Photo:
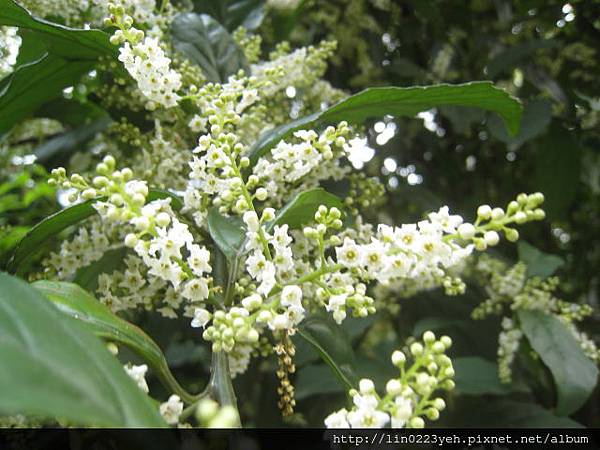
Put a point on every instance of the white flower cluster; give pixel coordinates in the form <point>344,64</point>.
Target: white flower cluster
<point>88,245</point>
<point>509,341</point>
<point>10,42</point>
<point>165,245</point>
<point>408,397</point>
<point>145,61</point>
<point>295,167</point>
<point>510,290</point>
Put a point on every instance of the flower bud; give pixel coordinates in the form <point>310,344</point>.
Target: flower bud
<point>366,386</point>
<point>439,404</point>
<point>466,231</point>
<point>416,348</point>
<point>163,219</point>
<point>428,337</point>
<point>416,422</point>
<point>261,194</point>
<point>497,213</point>
<point>491,238</point>
<point>393,387</point>
<point>484,212</point>
<point>398,358</point>
<point>131,240</point>
<point>511,234</point>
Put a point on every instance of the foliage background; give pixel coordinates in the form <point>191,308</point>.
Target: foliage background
<point>545,53</point>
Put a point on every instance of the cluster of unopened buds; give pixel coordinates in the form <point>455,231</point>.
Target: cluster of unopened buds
<point>163,242</point>
<point>145,60</point>
<point>408,398</point>
<point>490,221</point>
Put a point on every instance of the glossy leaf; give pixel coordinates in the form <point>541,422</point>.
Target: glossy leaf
<point>574,374</point>
<point>33,84</point>
<point>206,43</point>
<point>54,224</point>
<point>316,379</point>
<point>52,367</point>
<point>233,13</point>
<point>537,115</point>
<point>228,232</point>
<point>557,163</point>
<point>478,376</point>
<point>70,43</point>
<point>87,277</point>
<point>333,346</point>
<point>401,102</point>
<point>506,60</point>
<point>301,209</point>
<point>64,145</point>
<point>72,300</point>
<point>539,264</point>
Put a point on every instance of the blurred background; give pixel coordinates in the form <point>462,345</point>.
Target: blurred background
<point>544,52</point>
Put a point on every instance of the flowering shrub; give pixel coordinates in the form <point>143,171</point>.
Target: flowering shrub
<point>219,188</point>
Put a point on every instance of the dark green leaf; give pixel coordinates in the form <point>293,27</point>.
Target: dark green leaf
<point>437,323</point>
<point>52,367</point>
<point>69,142</point>
<point>537,115</point>
<point>87,277</point>
<point>72,300</point>
<point>402,102</point>
<point>539,264</point>
<point>71,112</point>
<point>316,379</point>
<point>477,376</point>
<point>54,224</point>
<point>480,412</point>
<point>507,59</point>
<point>301,209</point>
<point>69,43</point>
<point>557,164</point>
<point>33,84</point>
<point>233,13</point>
<point>333,345</point>
<point>574,374</point>
<point>228,233</point>
<point>206,43</point>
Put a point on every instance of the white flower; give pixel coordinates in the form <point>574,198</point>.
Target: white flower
<point>201,318</point>
<point>291,296</point>
<point>171,409</point>
<point>349,254</point>
<point>337,419</point>
<point>367,415</point>
<point>198,260</point>
<point>403,412</point>
<point>138,374</point>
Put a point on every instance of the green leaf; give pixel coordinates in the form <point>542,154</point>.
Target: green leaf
<point>333,345</point>
<point>557,170</point>
<point>233,13</point>
<point>537,115</point>
<point>397,101</point>
<point>301,209</point>
<point>507,59</point>
<point>71,141</point>
<point>95,317</point>
<point>539,264</point>
<point>228,232</point>
<point>478,376</point>
<point>315,380</point>
<point>206,43</point>
<point>54,224</point>
<point>69,43</point>
<point>435,323</point>
<point>52,367</point>
<point>574,374</point>
<point>33,84</point>
<point>87,277</point>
